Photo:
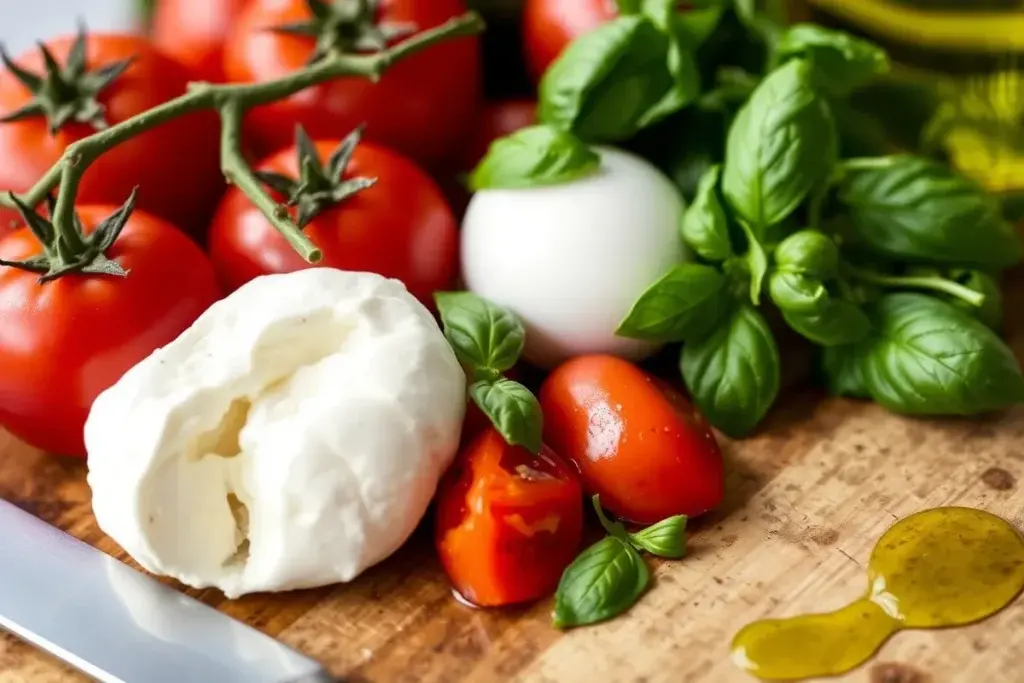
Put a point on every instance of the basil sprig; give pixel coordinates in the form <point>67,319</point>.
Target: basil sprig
<point>533,157</point>
<point>625,75</point>
<point>889,263</point>
<point>609,577</point>
<point>488,340</point>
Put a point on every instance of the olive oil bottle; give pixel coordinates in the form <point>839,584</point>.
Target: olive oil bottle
<point>957,85</point>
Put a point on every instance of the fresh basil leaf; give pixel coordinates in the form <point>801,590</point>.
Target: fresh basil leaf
<point>616,529</point>
<point>841,62</point>
<point>914,209</point>
<point>780,145</point>
<point>685,304</point>
<point>757,264</point>
<point>796,292</point>
<point>835,323</point>
<point>733,375</point>
<point>604,581</point>
<point>612,81</point>
<point>486,337</point>
<point>810,253</point>
<point>531,157</point>
<point>843,369</point>
<point>628,6</point>
<point>512,409</point>
<point>667,538</point>
<point>928,357</point>
<point>698,23</point>
<point>705,226</point>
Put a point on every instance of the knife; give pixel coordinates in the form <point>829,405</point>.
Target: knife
<point>119,625</point>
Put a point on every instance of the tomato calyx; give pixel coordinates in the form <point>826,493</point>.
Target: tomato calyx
<point>70,250</point>
<point>64,93</point>
<point>319,185</point>
<point>345,27</point>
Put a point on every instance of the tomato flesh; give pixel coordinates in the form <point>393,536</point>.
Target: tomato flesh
<point>508,522</point>
<point>401,227</point>
<point>64,341</point>
<point>637,442</point>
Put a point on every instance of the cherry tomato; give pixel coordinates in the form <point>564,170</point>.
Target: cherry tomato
<point>421,107</point>
<point>401,227</point>
<point>550,25</point>
<point>508,522</point>
<point>497,119</point>
<point>636,441</point>
<point>176,165</point>
<point>63,342</point>
<point>193,32</point>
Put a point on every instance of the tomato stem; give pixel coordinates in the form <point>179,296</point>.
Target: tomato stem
<point>231,100</point>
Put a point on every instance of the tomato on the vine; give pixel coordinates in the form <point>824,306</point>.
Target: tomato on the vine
<point>637,442</point>
<point>175,165</point>
<point>400,226</point>
<point>193,32</point>
<point>508,522</point>
<point>550,25</point>
<point>64,341</point>
<point>421,107</point>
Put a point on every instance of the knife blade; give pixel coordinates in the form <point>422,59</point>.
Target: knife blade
<point>118,625</point>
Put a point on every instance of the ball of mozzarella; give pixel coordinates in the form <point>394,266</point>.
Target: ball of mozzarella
<point>292,437</point>
<point>571,259</point>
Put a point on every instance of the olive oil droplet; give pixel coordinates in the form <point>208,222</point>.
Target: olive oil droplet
<point>943,567</point>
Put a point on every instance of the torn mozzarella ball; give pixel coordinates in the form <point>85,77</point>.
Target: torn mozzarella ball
<point>292,437</point>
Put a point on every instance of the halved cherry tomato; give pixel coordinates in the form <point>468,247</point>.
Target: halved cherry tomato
<point>63,342</point>
<point>401,227</point>
<point>550,25</point>
<point>637,442</point>
<point>422,107</point>
<point>508,522</point>
<point>193,32</point>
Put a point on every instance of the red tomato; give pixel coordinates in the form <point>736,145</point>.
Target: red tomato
<point>550,25</point>
<point>193,32</point>
<point>637,442</point>
<point>65,341</point>
<point>176,165</point>
<point>497,119</point>
<point>401,227</point>
<point>422,107</point>
<point>508,522</point>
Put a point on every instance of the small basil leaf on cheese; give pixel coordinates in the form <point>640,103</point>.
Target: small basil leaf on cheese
<point>512,409</point>
<point>486,337</point>
<point>532,157</point>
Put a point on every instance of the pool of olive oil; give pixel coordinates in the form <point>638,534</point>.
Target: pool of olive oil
<point>943,567</point>
<point>957,87</point>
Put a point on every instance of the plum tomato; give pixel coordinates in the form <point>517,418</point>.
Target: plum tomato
<point>400,226</point>
<point>637,442</point>
<point>550,25</point>
<point>193,32</point>
<point>422,107</point>
<point>508,522</point>
<point>64,341</point>
<point>175,165</point>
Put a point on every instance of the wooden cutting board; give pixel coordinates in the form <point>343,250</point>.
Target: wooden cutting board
<point>807,498</point>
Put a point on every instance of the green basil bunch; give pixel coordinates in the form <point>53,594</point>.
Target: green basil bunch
<point>887,263</point>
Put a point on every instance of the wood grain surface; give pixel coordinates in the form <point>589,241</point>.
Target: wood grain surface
<point>807,498</point>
